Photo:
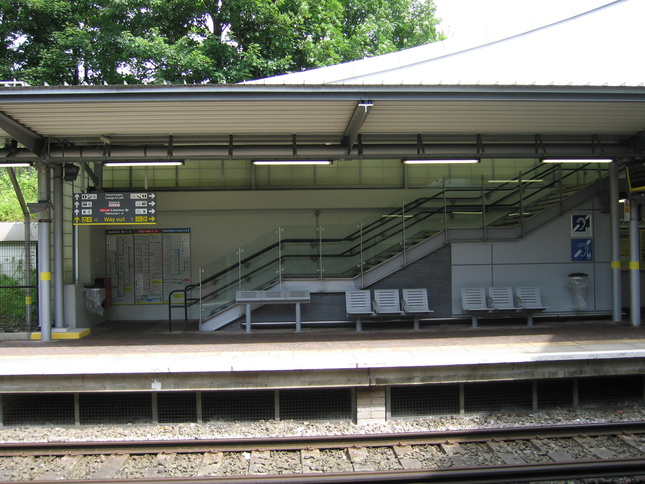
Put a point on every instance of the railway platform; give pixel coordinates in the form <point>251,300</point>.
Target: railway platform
<point>140,356</point>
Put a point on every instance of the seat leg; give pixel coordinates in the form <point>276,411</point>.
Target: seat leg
<point>248,318</point>
<point>529,319</point>
<point>359,324</point>
<point>475,322</point>
<point>298,319</point>
<point>416,323</point>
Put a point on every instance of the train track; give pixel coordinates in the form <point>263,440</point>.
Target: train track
<point>480,456</point>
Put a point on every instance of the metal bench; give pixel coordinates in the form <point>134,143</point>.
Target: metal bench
<point>475,303</point>
<point>272,297</point>
<point>415,303</point>
<point>528,300</point>
<point>501,301</point>
<point>387,302</point>
<point>359,303</point>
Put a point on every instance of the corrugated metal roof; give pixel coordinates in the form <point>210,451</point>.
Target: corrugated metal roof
<point>265,115</point>
<point>594,48</point>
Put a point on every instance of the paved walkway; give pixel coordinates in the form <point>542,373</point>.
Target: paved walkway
<point>148,347</point>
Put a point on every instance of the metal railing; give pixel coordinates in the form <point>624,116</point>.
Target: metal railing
<point>18,289</point>
<point>343,251</point>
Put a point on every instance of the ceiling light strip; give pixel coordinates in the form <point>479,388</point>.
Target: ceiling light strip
<point>292,162</point>
<point>428,161</point>
<point>142,163</point>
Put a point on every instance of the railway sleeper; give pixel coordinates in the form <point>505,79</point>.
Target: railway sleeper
<point>592,446</point>
<point>558,455</point>
<point>504,452</point>
<point>402,453</point>
<point>110,467</point>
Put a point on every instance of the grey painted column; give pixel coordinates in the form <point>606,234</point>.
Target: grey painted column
<point>44,262</point>
<point>58,246</point>
<point>614,218</point>
<point>634,264</point>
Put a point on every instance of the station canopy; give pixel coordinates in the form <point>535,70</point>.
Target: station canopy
<point>574,87</point>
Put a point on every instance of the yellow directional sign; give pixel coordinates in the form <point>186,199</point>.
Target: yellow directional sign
<point>135,208</point>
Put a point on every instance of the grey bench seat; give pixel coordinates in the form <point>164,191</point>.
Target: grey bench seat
<point>501,301</point>
<point>387,304</point>
<point>296,297</point>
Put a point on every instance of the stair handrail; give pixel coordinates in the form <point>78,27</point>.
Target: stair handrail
<point>366,234</point>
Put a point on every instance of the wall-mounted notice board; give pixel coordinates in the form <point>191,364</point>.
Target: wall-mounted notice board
<point>145,265</point>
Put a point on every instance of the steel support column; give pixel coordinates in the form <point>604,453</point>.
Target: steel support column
<point>615,243</point>
<point>634,264</point>
<point>44,262</point>
<point>58,246</point>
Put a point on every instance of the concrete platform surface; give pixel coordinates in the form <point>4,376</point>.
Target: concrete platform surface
<point>136,347</point>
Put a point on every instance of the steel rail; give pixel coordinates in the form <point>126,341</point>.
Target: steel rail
<point>320,442</point>
<point>472,475</point>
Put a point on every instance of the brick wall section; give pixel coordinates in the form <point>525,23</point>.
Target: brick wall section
<point>370,405</point>
<point>434,272</point>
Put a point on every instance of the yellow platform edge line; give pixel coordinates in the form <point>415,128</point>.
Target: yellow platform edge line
<point>64,335</point>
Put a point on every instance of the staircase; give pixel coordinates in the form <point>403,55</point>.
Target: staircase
<point>336,260</point>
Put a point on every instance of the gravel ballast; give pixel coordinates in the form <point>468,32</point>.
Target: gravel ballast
<point>286,428</point>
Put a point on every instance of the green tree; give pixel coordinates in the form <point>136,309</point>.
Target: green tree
<point>10,210</point>
<point>116,41</point>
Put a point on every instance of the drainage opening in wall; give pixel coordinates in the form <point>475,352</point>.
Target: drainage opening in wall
<point>418,401</point>
<point>334,404</point>
<point>177,407</point>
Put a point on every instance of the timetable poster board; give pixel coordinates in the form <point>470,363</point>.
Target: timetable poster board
<point>119,254</point>
<point>176,268</point>
<point>147,264</point>
<point>148,267</point>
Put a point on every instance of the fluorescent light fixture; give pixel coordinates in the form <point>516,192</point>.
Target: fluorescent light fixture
<point>429,161</point>
<point>515,181</point>
<point>292,162</point>
<point>577,160</point>
<point>143,163</point>
<point>397,216</point>
<point>14,164</point>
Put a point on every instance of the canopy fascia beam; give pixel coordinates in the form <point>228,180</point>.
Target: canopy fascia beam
<point>32,141</point>
<point>337,151</point>
<point>252,93</point>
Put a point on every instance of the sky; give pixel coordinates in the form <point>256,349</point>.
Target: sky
<point>478,20</point>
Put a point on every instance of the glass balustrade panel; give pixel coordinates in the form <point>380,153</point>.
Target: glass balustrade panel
<point>219,284</point>
<point>424,216</point>
<point>300,252</point>
<point>340,249</point>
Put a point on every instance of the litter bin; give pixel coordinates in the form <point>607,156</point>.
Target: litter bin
<point>94,298</point>
<point>578,282</point>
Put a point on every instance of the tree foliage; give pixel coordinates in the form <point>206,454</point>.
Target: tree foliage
<point>10,210</point>
<point>194,41</point>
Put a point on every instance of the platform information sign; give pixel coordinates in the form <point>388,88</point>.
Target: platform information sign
<point>137,208</point>
<point>146,265</point>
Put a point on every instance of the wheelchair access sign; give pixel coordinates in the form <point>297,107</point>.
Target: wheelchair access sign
<point>581,250</point>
